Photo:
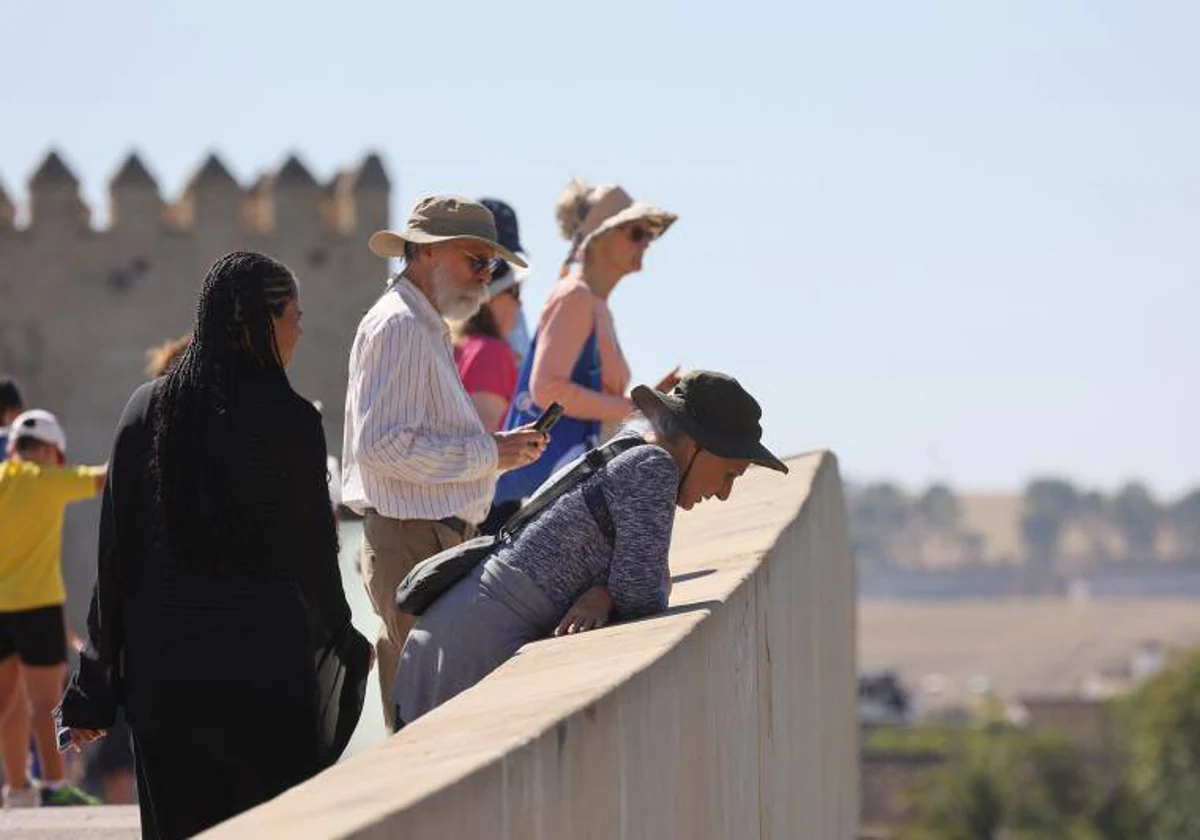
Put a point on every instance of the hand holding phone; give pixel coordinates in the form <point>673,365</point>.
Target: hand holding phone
<point>522,446</point>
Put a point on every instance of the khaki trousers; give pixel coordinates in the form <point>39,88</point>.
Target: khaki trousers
<point>390,548</point>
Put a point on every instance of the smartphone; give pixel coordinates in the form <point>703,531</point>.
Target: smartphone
<point>63,735</point>
<point>549,417</point>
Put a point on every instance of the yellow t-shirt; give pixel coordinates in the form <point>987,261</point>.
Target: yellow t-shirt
<point>33,499</point>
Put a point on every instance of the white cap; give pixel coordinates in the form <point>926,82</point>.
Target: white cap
<point>512,278</point>
<point>39,425</point>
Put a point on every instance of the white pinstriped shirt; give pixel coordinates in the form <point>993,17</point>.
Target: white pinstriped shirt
<point>414,446</point>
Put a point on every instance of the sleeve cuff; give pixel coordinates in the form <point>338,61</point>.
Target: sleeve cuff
<point>487,454</point>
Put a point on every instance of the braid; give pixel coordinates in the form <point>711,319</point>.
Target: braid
<point>233,337</point>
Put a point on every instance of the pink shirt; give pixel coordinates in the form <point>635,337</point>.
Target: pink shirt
<point>571,313</point>
<point>487,366</point>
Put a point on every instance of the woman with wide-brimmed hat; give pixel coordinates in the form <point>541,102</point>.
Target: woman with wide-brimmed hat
<point>607,535</point>
<point>576,359</point>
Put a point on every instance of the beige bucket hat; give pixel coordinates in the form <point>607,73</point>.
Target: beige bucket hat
<point>440,218</point>
<point>603,208</point>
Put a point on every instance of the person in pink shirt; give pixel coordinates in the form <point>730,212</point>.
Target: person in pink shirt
<point>485,361</point>
<point>576,359</point>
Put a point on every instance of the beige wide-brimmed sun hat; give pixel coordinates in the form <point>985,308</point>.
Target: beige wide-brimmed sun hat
<point>586,213</point>
<point>440,218</point>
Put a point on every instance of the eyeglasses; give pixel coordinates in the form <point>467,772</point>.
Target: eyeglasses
<point>639,234</point>
<point>480,264</point>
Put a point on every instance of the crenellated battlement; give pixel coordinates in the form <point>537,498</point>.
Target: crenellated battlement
<point>287,202</point>
<point>80,303</point>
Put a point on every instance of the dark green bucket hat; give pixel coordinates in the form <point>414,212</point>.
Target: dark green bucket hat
<point>717,412</point>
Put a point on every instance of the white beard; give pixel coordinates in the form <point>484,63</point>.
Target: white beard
<point>453,303</point>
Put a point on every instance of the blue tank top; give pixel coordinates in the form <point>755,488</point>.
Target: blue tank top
<point>568,439</point>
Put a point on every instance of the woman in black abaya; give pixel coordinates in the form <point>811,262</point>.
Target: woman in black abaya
<point>218,620</point>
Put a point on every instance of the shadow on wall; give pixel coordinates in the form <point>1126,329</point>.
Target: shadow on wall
<point>699,573</point>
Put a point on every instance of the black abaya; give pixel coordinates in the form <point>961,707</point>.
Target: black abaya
<point>243,679</point>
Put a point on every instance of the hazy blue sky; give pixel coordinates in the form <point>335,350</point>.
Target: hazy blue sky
<point>947,240</point>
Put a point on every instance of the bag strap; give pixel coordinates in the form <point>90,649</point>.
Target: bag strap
<point>590,463</point>
<point>593,494</point>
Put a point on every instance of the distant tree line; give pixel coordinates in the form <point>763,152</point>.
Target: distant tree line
<point>1009,783</point>
<point>1148,530</point>
<point>890,527</point>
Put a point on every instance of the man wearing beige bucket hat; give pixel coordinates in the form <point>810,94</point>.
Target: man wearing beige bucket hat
<point>575,359</point>
<point>417,462</point>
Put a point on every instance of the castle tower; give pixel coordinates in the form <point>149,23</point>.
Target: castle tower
<point>212,198</point>
<point>297,200</point>
<point>372,193</point>
<point>54,201</point>
<point>258,213</point>
<point>333,214</point>
<point>362,197</point>
<point>134,200</point>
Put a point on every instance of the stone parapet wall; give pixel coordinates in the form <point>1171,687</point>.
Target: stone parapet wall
<point>732,716</point>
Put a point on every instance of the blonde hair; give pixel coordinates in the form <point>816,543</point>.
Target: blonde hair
<point>574,203</point>
<point>572,207</point>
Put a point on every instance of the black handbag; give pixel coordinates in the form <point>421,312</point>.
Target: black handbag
<point>432,578</point>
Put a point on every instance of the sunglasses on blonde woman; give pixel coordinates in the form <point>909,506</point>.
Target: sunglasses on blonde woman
<point>639,234</point>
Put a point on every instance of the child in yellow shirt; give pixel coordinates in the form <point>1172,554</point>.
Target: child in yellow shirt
<point>35,488</point>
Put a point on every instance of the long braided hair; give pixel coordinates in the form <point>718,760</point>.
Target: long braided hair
<point>233,339</point>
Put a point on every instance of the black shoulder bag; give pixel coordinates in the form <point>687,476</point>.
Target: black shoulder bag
<point>431,578</point>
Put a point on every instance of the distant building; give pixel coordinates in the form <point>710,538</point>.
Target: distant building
<point>883,700</point>
<point>1085,722</point>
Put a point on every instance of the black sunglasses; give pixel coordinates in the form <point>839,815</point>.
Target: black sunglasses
<point>479,264</point>
<point>640,234</point>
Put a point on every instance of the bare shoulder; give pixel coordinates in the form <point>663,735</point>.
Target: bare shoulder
<point>570,292</point>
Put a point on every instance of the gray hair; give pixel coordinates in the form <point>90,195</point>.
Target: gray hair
<point>663,424</point>
<point>411,250</point>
